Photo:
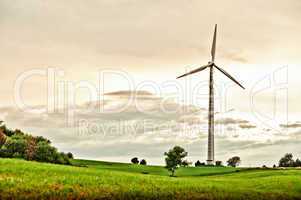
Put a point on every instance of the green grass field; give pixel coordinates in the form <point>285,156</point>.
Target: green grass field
<point>21,179</point>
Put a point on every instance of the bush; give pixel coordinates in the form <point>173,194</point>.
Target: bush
<point>135,160</point>
<point>70,155</point>
<point>186,163</point>
<point>298,163</point>
<point>62,158</point>
<point>218,163</point>
<point>143,162</point>
<point>30,148</point>
<point>234,161</point>
<point>2,138</point>
<point>42,139</point>
<point>14,144</point>
<point>45,153</point>
<point>198,164</point>
<point>7,131</point>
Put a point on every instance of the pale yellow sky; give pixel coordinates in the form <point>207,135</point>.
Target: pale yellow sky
<point>150,40</point>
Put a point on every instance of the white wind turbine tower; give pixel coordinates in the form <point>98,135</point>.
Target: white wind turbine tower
<point>211,64</point>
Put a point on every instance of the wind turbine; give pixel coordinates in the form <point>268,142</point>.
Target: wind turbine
<point>211,64</point>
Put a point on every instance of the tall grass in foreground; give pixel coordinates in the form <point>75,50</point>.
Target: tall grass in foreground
<point>32,180</point>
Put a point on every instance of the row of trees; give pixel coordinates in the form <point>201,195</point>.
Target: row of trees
<point>174,158</point>
<point>16,144</point>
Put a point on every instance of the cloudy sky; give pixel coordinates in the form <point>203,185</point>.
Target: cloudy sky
<point>69,70</point>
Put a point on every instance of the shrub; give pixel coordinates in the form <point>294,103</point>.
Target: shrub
<point>62,158</point>
<point>298,163</point>
<point>42,139</point>
<point>197,163</point>
<point>135,160</point>
<point>15,144</point>
<point>218,163</point>
<point>46,153</point>
<point>70,155</point>
<point>30,148</point>
<point>2,138</point>
<point>7,131</point>
<point>234,161</point>
<point>186,163</point>
<point>143,162</point>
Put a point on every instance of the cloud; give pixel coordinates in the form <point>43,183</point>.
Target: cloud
<point>130,93</point>
<point>291,125</point>
<point>145,127</point>
<point>227,121</point>
<point>247,126</point>
<point>236,56</point>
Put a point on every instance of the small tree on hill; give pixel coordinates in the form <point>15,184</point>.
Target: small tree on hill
<point>174,158</point>
<point>143,162</point>
<point>234,161</point>
<point>135,160</point>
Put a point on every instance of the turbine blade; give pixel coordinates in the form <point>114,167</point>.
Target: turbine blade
<point>213,45</point>
<point>194,71</point>
<point>229,76</point>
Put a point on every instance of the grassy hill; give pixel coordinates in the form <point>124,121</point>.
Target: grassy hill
<point>154,170</point>
<point>104,180</point>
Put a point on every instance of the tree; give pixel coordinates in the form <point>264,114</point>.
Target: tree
<point>14,146</point>
<point>174,158</point>
<point>186,163</point>
<point>46,153</point>
<point>31,148</point>
<point>2,138</point>
<point>135,160</point>
<point>234,161</point>
<point>218,163</point>
<point>197,163</point>
<point>143,162</point>
<point>298,163</point>
<point>70,155</point>
<point>287,161</point>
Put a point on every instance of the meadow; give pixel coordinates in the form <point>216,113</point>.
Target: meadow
<point>86,179</point>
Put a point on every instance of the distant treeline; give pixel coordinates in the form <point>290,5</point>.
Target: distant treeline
<point>16,144</point>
